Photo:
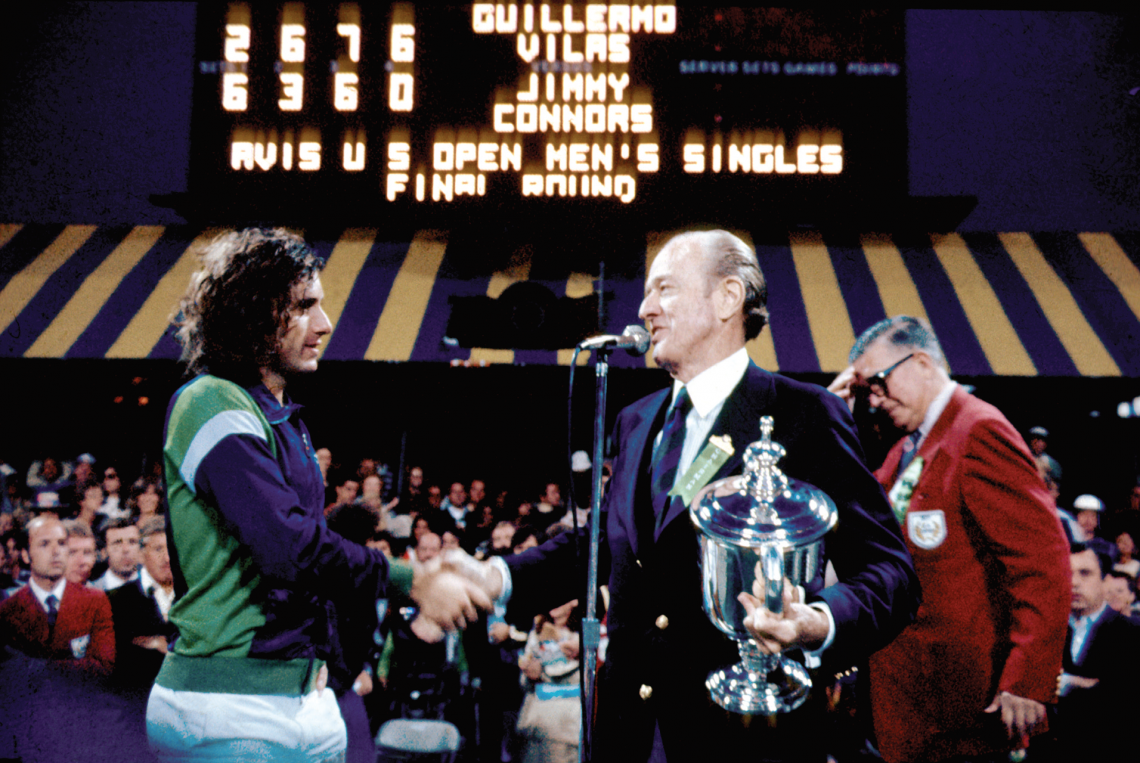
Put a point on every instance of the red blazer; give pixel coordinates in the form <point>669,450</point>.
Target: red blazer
<point>994,566</point>
<point>83,626</point>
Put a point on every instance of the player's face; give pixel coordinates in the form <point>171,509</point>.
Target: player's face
<point>299,346</point>
<point>80,559</point>
<point>47,550</point>
<point>679,311</point>
<point>1088,586</point>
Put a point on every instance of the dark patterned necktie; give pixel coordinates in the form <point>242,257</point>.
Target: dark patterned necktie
<point>910,449</point>
<point>667,455</point>
<point>52,611</point>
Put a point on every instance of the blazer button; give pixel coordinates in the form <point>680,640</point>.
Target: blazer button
<point>662,622</point>
<point>645,691</point>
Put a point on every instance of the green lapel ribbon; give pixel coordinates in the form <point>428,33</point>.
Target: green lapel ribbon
<point>716,453</point>
<point>903,489</point>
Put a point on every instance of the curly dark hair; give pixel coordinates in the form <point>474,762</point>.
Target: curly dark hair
<point>237,305</point>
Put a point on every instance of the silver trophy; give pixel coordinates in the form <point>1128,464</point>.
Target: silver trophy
<point>758,527</point>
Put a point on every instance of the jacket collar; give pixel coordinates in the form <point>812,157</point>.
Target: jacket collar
<point>740,420</point>
<point>275,412</point>
<point>932,442</point>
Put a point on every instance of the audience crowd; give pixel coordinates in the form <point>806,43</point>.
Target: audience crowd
<point>91,546</point>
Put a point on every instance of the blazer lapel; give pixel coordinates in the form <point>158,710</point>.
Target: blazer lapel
<point>933,442</point>
<point>635,446</point>
<point>740,420</point>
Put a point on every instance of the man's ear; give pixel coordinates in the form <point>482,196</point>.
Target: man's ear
<point>24,555</point>
<point>729,298</point>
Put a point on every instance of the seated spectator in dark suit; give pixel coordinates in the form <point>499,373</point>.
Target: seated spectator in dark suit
<point>121,542</point>
<point>80,551</point>
<point>453,510</point>
<point>141,608</point>
<point>1101,661</point>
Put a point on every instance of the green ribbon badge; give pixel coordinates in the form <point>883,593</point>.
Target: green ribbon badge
<point>718,450</point>
<point>903,489</point>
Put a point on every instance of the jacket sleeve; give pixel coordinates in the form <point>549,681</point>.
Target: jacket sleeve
<point>878,590</point>
<point>1004,494</point>
<point>552,574</point>
<point>242,479</point>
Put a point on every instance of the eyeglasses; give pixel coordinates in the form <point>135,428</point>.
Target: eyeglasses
<point>877,383</point>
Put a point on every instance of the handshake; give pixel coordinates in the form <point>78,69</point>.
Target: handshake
<point>449,590</point>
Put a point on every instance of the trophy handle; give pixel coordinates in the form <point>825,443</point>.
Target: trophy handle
<point>772,559</point>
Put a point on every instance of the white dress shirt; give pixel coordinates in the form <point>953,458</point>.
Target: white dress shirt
<point>162,597</point>
<point>708,390</point>
<point>42,594</point>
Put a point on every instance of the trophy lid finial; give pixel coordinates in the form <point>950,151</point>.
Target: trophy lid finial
<point>762,478</point>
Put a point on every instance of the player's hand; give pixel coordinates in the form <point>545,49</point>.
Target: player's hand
<point>447,600</point>
<point>842,386</point>
<point>481,573</point>
<point>1020,715</point>
<point>798,625</point>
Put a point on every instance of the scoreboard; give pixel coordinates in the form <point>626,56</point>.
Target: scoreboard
<point>659,111</point>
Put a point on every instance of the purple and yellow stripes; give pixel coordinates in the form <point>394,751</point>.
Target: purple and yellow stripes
<point>20,315</point>
<point>1061,310</point>
<point>142,335</point>
<point>1018,304</point>
<point>94,293</point>
<point>983,310</point>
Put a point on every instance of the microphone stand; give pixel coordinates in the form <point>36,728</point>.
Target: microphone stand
<point>591,628</point>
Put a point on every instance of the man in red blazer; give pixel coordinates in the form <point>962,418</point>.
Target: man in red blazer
<point>78,635</point>
<point>971,676</point>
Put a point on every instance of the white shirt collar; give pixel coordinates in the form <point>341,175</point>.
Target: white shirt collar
<point>934,412</point>
<point>161,596</point>
<point>41,594</point>
<point>1089,619</point>
<point>712,386</point>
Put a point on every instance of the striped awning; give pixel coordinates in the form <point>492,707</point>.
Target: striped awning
<point>1021,304</point>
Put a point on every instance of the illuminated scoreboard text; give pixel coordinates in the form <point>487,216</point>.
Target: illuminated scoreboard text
<point>411,105</point>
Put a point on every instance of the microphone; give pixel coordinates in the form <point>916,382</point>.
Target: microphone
<point>635,339</point>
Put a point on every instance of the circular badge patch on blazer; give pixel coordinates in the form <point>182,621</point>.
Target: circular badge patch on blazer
<point>926,528</point>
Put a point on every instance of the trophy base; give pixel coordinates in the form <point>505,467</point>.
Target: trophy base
<point>741,690</point>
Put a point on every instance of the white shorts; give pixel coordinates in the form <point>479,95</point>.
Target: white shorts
<point>189,726</point>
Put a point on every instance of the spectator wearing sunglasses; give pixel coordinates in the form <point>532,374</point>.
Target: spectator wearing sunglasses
<point>970,678</point>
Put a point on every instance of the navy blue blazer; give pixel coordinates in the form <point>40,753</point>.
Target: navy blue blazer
<point>660,638</point>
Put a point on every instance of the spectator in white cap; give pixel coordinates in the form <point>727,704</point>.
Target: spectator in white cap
<point>1088,509</point>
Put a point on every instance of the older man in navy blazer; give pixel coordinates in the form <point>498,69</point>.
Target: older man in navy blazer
<point>704,298</point>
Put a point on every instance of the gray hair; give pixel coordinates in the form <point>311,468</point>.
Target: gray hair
<point>735,259</point>
<point>900,331</point>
